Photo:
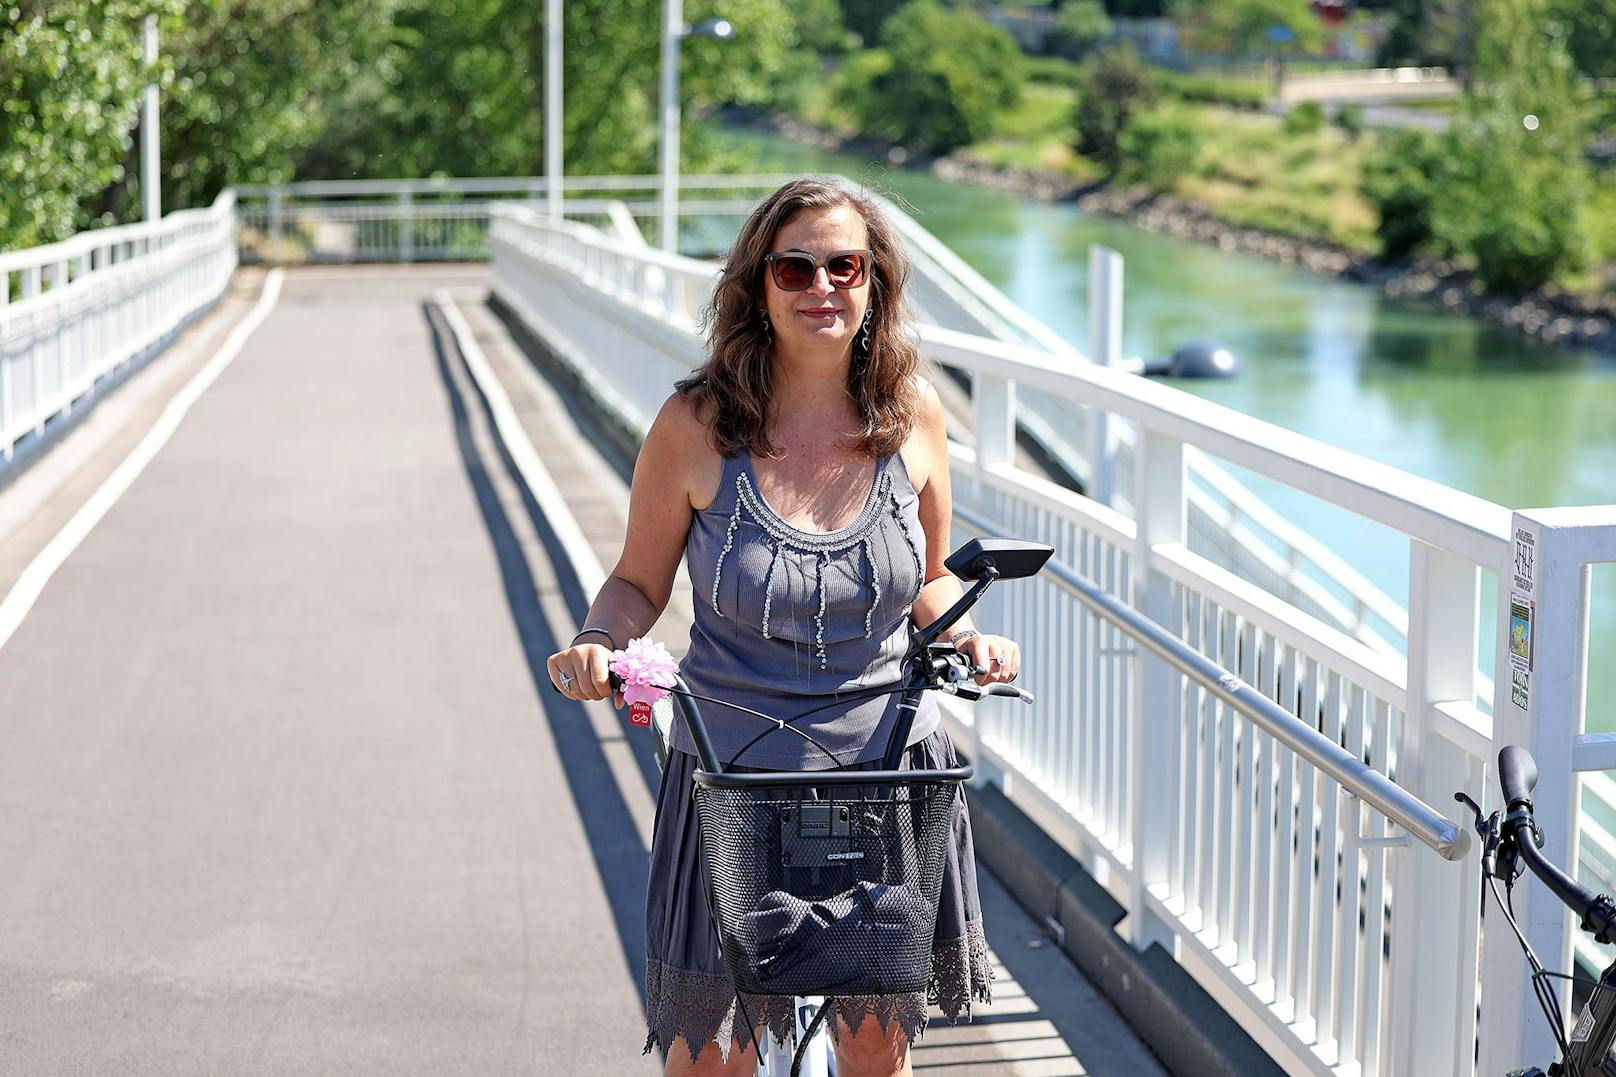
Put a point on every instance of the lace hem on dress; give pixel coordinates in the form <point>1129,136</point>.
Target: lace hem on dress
<point>700,1006</point>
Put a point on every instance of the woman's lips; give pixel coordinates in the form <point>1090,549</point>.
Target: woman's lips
<point>820,312</point>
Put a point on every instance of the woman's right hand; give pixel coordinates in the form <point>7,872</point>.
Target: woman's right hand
<point>586,667</point>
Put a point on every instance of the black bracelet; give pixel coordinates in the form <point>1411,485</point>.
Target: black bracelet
<point>603,632</point>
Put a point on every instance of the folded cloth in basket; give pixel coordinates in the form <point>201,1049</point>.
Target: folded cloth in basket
<point>815,946</point>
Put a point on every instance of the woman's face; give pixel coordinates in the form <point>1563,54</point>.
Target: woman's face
<point>823,319</point>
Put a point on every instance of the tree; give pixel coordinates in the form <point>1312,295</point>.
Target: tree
<point>1112,86</point>
<point>1516,196</point>
<point>70,84</point>
<point>1079,28</point>
<point>951,76</point>
<point>867,18</point>
<point>1246,26</point>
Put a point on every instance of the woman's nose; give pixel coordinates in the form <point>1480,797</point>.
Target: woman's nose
<point>821,274</point>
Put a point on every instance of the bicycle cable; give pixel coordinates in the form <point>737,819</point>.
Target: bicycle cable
<point>1546,1000</point>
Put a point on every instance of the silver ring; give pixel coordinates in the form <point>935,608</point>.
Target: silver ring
<point>566,682</point>
<point>997,660</point>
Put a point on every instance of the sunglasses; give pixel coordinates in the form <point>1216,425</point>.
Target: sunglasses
<point>794,271</point>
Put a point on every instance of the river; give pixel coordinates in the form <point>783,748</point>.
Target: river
<point>1448,398</point>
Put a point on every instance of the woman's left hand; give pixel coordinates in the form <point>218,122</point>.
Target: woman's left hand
<point>999,655</point>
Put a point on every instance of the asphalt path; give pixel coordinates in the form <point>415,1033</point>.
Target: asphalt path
<point>278,791</point>
<point>283,789</point>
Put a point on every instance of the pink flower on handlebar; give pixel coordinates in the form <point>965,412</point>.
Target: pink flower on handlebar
<point>647,670</point>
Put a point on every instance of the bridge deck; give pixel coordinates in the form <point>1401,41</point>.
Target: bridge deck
<point>283,788</point>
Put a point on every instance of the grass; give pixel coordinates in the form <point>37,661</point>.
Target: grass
<point>1254,173</point>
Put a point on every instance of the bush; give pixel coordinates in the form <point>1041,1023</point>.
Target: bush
<point>1350,118</point>
<point>1514,202</point>
<point>1051,69</point>
<point>1113,87</point>
<point>1306,118</point>
<point>1079,29</point>
<point>1211,90</point>
<point>1160,149</point>
<point>951,77</point>
<point>1400,178</point>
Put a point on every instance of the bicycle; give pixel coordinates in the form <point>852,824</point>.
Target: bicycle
<point>1587,1052</point>
<point>862,850</point>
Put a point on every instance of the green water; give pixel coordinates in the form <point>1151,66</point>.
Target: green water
<point>1447,398</point>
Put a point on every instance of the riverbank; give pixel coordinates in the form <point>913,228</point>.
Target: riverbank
<point>1545,315</point>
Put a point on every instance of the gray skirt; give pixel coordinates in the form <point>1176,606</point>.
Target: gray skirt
<point>689,994</point>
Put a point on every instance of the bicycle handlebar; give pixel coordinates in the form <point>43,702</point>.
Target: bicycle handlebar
<point>1517,776</point>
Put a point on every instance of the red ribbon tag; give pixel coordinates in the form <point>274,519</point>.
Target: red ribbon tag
<point>639,714</point>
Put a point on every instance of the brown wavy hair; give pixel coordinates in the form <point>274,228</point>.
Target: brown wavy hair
<point>732,390</point>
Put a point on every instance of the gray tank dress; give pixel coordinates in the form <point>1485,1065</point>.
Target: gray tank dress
<point>785,620</point>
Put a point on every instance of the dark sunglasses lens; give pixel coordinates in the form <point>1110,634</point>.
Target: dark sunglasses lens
<point>846,270</point>
<point>793,273</point>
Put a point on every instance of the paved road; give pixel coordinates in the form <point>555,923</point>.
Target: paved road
<point>280,792</point>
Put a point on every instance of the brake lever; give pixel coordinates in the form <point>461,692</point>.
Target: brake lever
<point>1493,846</point>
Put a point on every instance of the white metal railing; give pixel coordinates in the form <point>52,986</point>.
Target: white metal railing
<point>448,219</point>
<point>1339,943</point>
<point>74,313</point>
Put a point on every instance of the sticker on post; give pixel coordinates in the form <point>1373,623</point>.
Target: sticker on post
<point>1525,560</point>
<point>1520,683</point>
<point>1521,609</point>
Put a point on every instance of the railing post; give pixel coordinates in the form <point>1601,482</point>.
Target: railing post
<point>406,227</point>
<point>1432,1023</point>
<point>36,362</point>
<point>1161,518</point>
<point>1105,348</point>
<point>993,417</point>
<point>276,227</point>
<point>1538,702</point>
<point>6,408</point>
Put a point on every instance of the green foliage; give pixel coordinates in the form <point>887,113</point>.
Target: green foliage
<point>1079,29</point>
<point>1160,148</point>
<point>1113,87</point>
<point>1518,201</point>
<point>1589,30</point>
<point>1304,118</point>
<point>1052,70</point>
<point>1350,118</point>
<point>70,84</point>
<point>867,18</point>
<point>952,76</point>
<point>1213,90</point>
<point>252,86</point>
<point>1400,179</point>
<point>1507,186</point>
<point>1241,26</point>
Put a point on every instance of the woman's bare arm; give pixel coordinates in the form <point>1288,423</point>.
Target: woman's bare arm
<point>1001,657</point>
<point>673,463</point>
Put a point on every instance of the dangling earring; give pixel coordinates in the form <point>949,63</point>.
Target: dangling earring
<point>864,337</point>
<point>768,328</point>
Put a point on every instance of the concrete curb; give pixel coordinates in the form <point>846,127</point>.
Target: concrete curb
<point>1180,1023</point>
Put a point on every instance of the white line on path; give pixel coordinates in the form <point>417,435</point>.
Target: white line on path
<point>554,507</point>
<point>31,583</point>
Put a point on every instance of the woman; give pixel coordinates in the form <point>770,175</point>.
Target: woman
<point>802,471</point>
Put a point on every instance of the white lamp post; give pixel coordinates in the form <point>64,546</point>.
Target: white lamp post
<point>149,190</point>
<point>552,104</point>
<point>673,28</point>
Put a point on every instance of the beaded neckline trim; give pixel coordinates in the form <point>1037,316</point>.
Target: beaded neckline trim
<point>821,546</point>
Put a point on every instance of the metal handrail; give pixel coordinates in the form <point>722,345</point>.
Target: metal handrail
<point>1451,840</point>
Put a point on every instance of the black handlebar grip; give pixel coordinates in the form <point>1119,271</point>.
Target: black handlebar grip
<point>1517,776</point>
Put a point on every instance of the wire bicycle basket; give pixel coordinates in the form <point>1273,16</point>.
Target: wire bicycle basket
<point>828,886</point>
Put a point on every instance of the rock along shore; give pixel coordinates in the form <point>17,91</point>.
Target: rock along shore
<point>1545,315</point>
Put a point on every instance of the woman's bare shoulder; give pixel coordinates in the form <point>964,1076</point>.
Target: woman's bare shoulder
<point>681,437</point>
<point>925,453</point>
